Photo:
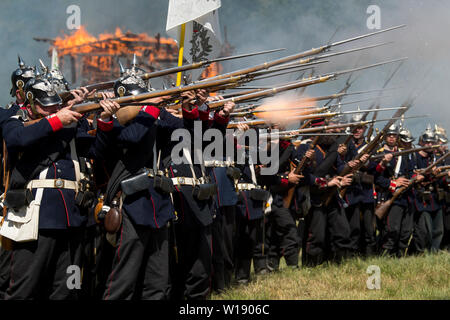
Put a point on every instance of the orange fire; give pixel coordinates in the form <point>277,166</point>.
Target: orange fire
<point>284,109</point>
<point>94,59</point>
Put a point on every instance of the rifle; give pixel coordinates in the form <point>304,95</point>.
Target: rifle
<point>382,209</point>
<point>307,82</point>
<point>301,55</point>
<point>403,152</point>
<point>66,95</point>
<point>367,150</point>
<point>168,93</point>
<point>298,170</point>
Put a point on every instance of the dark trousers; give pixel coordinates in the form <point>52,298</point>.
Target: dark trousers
<point>40,269</point>
<point>192,266</point>
<point>445,244</point>
<point>223,233</point>
<point>5,265</point>
<point>362,229</point>
<point>326,235</point>
<point>428,231</point>
<point>140,267</point>
<point>249,245</point>
<point>398,228</point>
<point>283,239</point>
<point>98,257</point>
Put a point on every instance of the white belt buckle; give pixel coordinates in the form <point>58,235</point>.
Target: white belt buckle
<point>180,180</point>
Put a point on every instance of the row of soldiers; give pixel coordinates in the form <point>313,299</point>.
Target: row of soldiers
<point>110,199</point>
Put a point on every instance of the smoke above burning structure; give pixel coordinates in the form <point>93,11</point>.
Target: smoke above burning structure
<point>253,25</point>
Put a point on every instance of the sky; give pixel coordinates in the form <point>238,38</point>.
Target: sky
<point>251,25</point>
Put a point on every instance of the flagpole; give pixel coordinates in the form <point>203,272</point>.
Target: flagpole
<point>180,52</point>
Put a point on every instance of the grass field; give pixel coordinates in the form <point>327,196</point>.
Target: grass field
<point>415,277</point>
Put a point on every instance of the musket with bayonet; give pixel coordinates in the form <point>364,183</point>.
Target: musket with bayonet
<point>128,113</point>
<point>376,157</point>
<point>307,82</point>
<point>382,209</point>
<point>301,55</point>
<point>149,75</point>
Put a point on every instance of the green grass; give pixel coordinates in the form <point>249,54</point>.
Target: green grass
<point>415,277</point>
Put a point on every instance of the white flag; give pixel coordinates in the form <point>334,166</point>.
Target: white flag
<point>203,39</point>
<point>183,11</point>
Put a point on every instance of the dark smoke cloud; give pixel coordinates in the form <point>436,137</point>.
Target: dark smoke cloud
<point>262,24</point>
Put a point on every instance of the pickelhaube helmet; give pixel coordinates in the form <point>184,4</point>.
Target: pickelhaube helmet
<point>340,118</point>
<point>55,77</point>
<point>393,129</point>
<point>21,76</point>
<point>357,117</point>
<point>440,134</point>
<point>130,81</point>
<point>41,90</point>
<point>405,135</point>
<point>428,135</point>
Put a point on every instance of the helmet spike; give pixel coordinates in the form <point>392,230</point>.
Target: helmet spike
<point>134,63</point>
<point>20,61</point>
<point>121,68</point>
<point>37,73</point>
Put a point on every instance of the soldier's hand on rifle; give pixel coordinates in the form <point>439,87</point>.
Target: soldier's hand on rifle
<point>347,180</point>
<point>387,158</point>
<point>105,94</point>
<point>364,158</point>
<point>342,149</point>
<point>420,178</point>
<point>110,107</point>
<point>67,116</point>
<point>402,182</point>
<point>202,96</point>
<point>188,98</point>
<point>310,154</point>
<point>227,109</point>
<point>243,126</point>
<point>294,178</point>
<point>435,171</point>
<point>175,112</point>
<point>335,182</point>
<point>353,163</point>
<point>79,95</point>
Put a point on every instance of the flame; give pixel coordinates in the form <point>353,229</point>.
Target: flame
<point>98,55</point>
<point>285,109</point>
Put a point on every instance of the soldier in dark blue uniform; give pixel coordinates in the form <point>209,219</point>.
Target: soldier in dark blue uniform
<point>19,79</point>
<point>45,160</point>
<point>360,195</point>
<point>428,219</point>
<point>251,208</point>
<point>444,186</point>
<point>193,197</point>
<point>140,267</point>
<point>324,221</point>
<point>282,236</point>
<point>223,172</point>
<point>393,173</point>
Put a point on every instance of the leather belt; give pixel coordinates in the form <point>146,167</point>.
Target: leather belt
<point>218,163</point>
<point>53,183</point>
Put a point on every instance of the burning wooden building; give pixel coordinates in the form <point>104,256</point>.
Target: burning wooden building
<point>85,59</point>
